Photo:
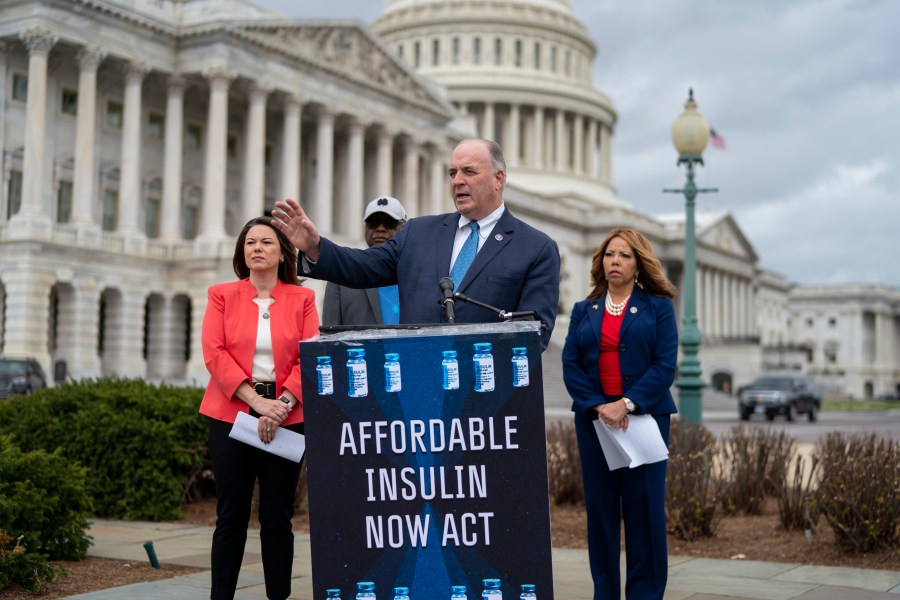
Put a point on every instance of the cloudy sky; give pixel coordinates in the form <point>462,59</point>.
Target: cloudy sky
<point>806,94</point>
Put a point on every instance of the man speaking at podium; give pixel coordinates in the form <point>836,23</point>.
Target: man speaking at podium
<point>490,255</point>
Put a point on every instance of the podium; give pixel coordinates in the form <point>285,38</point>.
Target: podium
<point>424,473</point>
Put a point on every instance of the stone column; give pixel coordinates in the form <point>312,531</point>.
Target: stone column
<point>170,223</point>
<point>32,213</point>
<point>438,181</point>
<point>513,142</point>
<point>592,148</point>
<point>27,312</point>
<point>488,123</point>
<point>560,141</point>
<point>290,149</point>
<point>324,171</point>
<point>578,144</point>
<point>537,150</point>
<point>352,207</point>
<point>130,192</point>
<point>606,175</point>
<point>253,200</point>
<point>85,147</point>
<point>410,195</point>
<point>384,170</point>
<point>215,154</point>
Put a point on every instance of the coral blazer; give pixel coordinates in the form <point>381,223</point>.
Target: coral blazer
<point>229,342</point>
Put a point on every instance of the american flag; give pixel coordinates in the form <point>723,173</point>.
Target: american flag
<point>716,140</point>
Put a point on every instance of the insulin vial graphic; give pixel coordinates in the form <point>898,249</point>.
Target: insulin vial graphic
<point>527,592</point>
<point>333,594</point>
<point>520,367</point>
<point>357,376</point>
<point>365,590</point>
<point>324,376</point>
<point>392,372</point>
<point>484,368</point>
<point>458,592</point>
<point>492,590</point>
<point>401,593</point>
<point>450,370</point>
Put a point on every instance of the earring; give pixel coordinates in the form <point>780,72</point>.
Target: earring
<point>281,260</point>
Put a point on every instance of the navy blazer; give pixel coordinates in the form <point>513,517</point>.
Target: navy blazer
<point>516,269</point>
<point>648,354</point>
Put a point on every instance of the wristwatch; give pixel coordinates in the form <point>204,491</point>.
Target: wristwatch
<point>629,405</point>
<point>285,399</point>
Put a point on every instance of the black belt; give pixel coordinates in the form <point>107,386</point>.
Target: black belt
<point>266,389</point>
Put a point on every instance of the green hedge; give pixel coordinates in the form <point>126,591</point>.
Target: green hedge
<point>142,444</point>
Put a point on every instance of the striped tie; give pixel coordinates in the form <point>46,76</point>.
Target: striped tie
<point>466,255</point>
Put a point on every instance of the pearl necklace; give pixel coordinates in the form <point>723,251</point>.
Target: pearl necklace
<point>615,309</point>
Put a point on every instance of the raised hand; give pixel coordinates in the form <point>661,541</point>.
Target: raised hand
<point>293,222</point>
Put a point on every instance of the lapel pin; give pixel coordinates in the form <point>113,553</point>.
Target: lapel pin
<point>594,307</point>
<point>499,237</point>
<point>633,309</point>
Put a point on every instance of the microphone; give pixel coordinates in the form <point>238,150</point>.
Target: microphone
<point>446,285</point>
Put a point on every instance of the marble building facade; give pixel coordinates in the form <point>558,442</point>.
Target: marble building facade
<point>138,136</point>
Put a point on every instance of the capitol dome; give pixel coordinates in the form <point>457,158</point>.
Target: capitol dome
<point>521,71</point>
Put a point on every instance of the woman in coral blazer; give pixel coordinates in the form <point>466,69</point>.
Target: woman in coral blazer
<point>251,332</point>
<point>619,360</point>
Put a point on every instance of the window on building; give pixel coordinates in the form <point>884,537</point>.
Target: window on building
<point>20,87</point>
<point>568,63</point>
<point>809,322</point>
<point>14,193</point>
<point>417,51</point>
<point>193,136</point>
<point>232,145</point>
<point>832,322</point>
<point>64,202</point>
<point>831,352</point>
<point>156,125</point>
<point>110,210</point>
<point>436,52</point>
<point>190,217</point>
<point>114,114</point>
<point>69,102</point>
<point>400,50</point>
<point>476,51</point>
<point>498,51</point>
<point>152,212</point>
<point>553,59</point>
<point>456,51</point>
<point>537,56</point>
<point>517,59</point>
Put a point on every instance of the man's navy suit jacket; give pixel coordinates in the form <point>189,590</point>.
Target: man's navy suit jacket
<point>517,269</point>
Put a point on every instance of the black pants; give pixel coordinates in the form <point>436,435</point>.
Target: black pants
<point>237,467</point>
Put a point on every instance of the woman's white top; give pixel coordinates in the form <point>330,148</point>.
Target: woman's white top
<point>263,357</point>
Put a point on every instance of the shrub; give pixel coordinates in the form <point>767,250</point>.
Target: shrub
<point>564,464</point>
<point>858,491</point>
<point>691,496</point>
<point>796,503</point>
<point>754,466</point>
<point>28,569</point>
<point>44,501</point>
<point>143,445</point>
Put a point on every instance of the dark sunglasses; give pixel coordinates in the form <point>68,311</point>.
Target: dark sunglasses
<point>375,222</point>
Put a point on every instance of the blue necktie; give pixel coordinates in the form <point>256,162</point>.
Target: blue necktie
<point>466,255</point>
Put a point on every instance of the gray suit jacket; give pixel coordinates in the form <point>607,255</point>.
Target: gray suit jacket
<point>347,306</point>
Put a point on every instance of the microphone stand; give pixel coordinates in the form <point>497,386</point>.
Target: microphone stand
<point>522,315</point>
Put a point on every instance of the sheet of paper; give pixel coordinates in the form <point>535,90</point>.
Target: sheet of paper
<point>286,443</point>
<point>642,444</point>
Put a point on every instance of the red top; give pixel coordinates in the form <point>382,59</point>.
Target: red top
<point>610,373</point>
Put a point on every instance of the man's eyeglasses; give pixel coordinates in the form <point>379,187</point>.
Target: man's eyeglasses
<point>387,222</point>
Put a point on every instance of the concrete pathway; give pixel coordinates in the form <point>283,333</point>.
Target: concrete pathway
<point>689,578</point>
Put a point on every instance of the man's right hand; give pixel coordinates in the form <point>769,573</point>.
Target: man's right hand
<point>293,222</point>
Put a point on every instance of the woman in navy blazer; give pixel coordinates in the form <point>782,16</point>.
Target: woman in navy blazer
<point>619,359</point>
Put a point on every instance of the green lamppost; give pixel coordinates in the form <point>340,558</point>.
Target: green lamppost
<point>690,134</point>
